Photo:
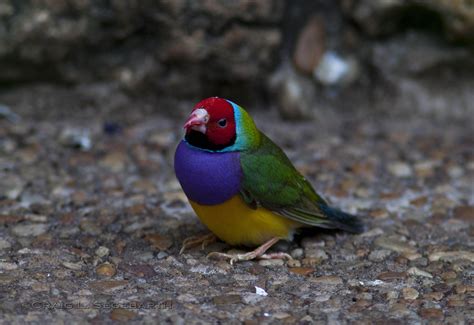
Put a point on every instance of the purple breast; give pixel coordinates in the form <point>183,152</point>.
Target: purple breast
<point>206,177</point>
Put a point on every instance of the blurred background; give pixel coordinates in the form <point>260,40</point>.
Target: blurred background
<point>371,99</point>
<point>299,57</point>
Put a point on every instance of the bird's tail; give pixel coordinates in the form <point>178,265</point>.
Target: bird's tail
<point>342,220</point>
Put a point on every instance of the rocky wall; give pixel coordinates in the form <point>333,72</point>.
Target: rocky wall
<point>178,48</point>
<point>304,57</point>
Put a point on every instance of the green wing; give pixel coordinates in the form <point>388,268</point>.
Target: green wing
<point>271,181</point>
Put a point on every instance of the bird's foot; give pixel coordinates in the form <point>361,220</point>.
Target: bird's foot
<point>204,241</point>
<point>258,253</point>
<point>248,256</point>
<point>278,255</point>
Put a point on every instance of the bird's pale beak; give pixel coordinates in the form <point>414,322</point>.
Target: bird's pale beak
<point>197,120</point>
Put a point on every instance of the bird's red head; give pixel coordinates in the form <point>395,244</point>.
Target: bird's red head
<point>211,124</point>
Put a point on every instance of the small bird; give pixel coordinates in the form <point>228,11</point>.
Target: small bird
<point>243,187</point>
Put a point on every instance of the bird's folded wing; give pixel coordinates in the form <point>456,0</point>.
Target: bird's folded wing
<point>271,181</point>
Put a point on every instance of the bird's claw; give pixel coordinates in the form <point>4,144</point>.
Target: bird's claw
<point>258,253</point>
<point>196,240</point>
<point>248,256</point>
<point>232,257</point>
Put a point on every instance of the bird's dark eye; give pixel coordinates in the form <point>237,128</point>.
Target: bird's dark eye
<point>222,122</point>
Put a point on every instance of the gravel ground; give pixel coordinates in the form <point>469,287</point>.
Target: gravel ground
<point>92,218</point>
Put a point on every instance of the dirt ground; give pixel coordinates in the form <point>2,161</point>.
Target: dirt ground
<point>92,219</point>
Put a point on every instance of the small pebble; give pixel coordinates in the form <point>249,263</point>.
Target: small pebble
<point>410,293</point>
<point>192,261</point>
<point>8,266</point>
<point>417,272</point>
<point>450,275</point>
<point>400,169</point>
<point>6,278</point>
<point>395,244</point>
<point>159,242</point>
<point>293,263</point>
<point>252,298</point>
<point>106,269</point>
<point>464,213</point>
<point>435,295</point>
<point>30,230</point>
<point>431,313</point>
<point>301,270</point>
<point>392,295</point>
<point>102,251</point>
<point>122,315</point>
<point>161,255</point>
<point>281,315</point>
<point>451,256</point>
<point>4,244</point>
<point>379,255</point>
<point>316,253</point>
<point>297,253</point>
<point>389,276</point>
<point>226,300</point>
<point>72,266</point>
<point>327,279</point>
<point>272,262</point>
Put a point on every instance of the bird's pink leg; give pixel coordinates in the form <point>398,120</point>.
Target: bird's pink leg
<point>199,240</point>
<point>259,252</point>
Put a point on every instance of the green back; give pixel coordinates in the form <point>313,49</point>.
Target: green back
<point>270,180</point>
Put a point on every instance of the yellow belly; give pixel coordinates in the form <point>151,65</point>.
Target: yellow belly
<point>237,224</point>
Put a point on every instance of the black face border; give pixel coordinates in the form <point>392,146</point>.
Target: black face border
<point>200,140</point>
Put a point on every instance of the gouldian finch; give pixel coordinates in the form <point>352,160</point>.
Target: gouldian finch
<point>243,187</point>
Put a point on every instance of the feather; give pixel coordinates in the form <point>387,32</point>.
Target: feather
<point>271,181</point>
